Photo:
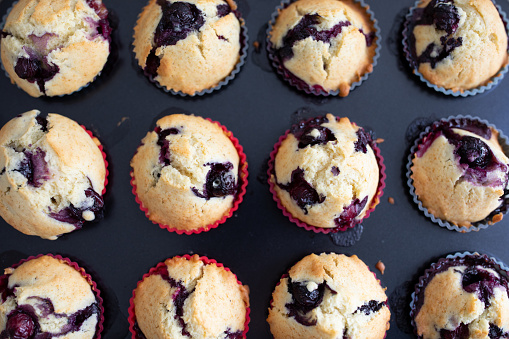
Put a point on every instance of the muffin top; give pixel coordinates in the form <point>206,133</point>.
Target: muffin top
<point>55,47</point>
<point>326,173</point>
<point>186,298</point>
<point>463,298</point>
<point>329,296</point>
<point>458,44</point>
<point>188,46</point>
<point>327,44</point>
<point>186,172</point>
<point>45,298</point>
<point>460,172</point>
<point>52,174</point>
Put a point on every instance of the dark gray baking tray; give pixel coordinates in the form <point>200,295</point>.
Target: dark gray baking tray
<point>258,243</point>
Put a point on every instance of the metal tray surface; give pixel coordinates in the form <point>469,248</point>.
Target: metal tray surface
<point>258,243</point>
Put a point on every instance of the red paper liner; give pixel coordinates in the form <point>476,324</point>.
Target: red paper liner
<point>455,121</point>
<point>239,196</point>
<point>374,202</point>
<point>88,278</point>
<point>443,264</point>
<point>300,84</point>
<point>100,146</point>
<point>286,275</point>
<point>132,316</point>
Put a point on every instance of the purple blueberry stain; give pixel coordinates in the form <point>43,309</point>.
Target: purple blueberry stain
<point>370,37</point>
<point>34,167</point>
<point>74,215</point>
<point>304,29</point>
<point>335,171</point>
<point>103,25</point>
<point>41,42</point>
<point>179,297</point>
<point>363,139</point>
<point>301,191</point>
<point>371,306</point>
<point>177,21</point>
<point>312,132</point>
<point>164,154</point>
<point>223,10</point>
<point>347,218</point>
<point>443,15</point>
<point>219,182</point>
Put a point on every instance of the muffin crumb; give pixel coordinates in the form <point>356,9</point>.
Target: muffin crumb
<point>391,200</point>
<point>380,266</point>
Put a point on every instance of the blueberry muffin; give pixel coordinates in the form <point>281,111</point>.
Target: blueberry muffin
<point>186,297</point>
<point>325,45</point>
<point>55,47</point>
<point>52,175</point>
<point>188,46</point>
<point>457,44</point>
<point>329,296</point>
<point>47,298</point>
<point>460,173</point>
<point>186,172</point>
<point>326,173</point>
<point>462,298</point>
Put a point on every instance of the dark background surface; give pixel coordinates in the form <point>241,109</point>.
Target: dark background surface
<point>258,243</point>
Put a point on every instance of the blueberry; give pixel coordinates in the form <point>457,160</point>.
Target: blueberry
<point>164,154</point>
<point>497,333</point>
<point>223,10</point>
<point>474,152</point>
<point>20,326</point>
<point>43,122</point>
<point>301,191</point>
<point>233,335</point>
<point>446,17</point>
<point>371,306</point>
<point>363,139</point>
<point>308,139</point>
<point>220,181</point>
<point>74,215</point>
<point>481,282</point>
<point>335,171</point>
<point>36,69</point>
<point>304,298</point>
<point>34,168</point>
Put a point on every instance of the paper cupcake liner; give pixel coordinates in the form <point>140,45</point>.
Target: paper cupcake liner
<point>244,45</point>
<point>101,148</point>
<point>478,225</point>
<point>443,264</point>
<point>286,275</point>
<point>300,84</point>
<point>88,278</point>
<point>374,202</point>
<point>133,326</point>
<point>239,196</point>
<point>109,61</point>
<point>493,82</point>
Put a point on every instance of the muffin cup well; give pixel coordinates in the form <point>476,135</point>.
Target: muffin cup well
<point>374,202</point>
<point>109,61</point>
<point>133,326</point>
<point>286,275</point>
<point>300,84</point>
<point>239,196</point>
<point>244,45</point>
<point>496,215</point>
<point>88,278</point>
<point>442,264</point>
<point>407,51</point>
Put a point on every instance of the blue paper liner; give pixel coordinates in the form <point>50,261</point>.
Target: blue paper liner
<point>284,73</point>
<point>244,45</point>
<point>492,82</point>
<point>478,225</point>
